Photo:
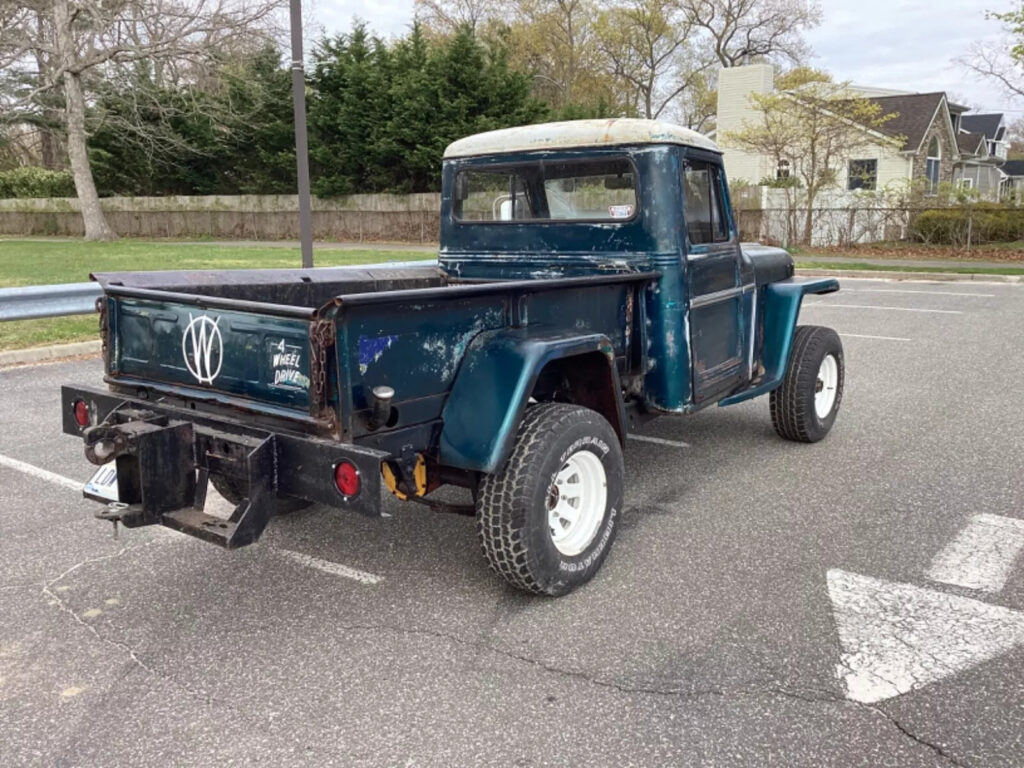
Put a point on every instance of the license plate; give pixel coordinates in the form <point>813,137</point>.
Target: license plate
<point>103,485</point>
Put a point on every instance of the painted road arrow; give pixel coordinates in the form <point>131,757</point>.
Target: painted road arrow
<point>895,638</point>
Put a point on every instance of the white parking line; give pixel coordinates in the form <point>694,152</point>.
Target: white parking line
<point>982,555</point>
<point>659,441</point>
<point>894,309</point>
<point>877,338</point>
<point>929,293</point>
<point>42,474</point>
<point>895,638</point>
<point>335,569</point>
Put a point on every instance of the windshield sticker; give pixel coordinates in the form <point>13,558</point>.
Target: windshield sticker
<point>286,361</point>
<point>371,348</point>
<point>620,211</point>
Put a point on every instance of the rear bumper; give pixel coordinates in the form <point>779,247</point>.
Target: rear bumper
<point>193,443</point>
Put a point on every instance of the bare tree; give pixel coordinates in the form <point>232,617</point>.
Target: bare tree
<point>68,46</point>
<point>557,39</point>
<point>754,28</point>
<point>997,65</point>
<point>1002,64</point>
<point>446,16</point>
<point>650,46</point>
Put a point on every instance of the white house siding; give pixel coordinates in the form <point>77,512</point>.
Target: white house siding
<point>735,84</point>
<point>893,166</point>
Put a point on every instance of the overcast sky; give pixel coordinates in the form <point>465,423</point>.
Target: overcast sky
<point>903,44</point>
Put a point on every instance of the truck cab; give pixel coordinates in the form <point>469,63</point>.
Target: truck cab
<point>590,277</point>
<point>599,197</point>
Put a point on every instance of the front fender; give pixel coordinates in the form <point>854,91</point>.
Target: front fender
<point>781,308</point>
<point>493,386</point>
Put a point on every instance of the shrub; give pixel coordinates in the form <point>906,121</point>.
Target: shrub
<point>975,224</point>
<point>31,181</point>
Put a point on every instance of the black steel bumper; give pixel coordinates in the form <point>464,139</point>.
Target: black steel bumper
<point>165,456</point>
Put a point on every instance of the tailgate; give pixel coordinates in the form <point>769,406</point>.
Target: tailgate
<point>190,344</point>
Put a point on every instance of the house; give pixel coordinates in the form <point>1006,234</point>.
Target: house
<point>983,152</point>
<point>926,141</point>
<point>1013,183</point>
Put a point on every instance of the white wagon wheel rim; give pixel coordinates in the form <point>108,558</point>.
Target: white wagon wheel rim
<point>825,386</point>
<point>576,502</point>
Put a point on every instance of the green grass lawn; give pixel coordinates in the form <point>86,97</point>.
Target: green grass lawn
<point>38,262</point>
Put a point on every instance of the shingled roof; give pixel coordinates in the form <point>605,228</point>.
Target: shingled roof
<point>986,124</point>
<point>970,143</point>
<point>1013,168</point>
<point>913,115</point>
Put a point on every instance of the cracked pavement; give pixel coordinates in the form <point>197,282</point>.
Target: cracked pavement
<point>707,639</point>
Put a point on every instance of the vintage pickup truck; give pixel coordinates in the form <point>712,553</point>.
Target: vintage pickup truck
<point>590,277</point>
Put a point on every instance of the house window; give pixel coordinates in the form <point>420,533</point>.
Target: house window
<point>966,183</point>
<point>931,166</point>
<point>702,205</point>
<point>862,174</point>
<point>782,171</point>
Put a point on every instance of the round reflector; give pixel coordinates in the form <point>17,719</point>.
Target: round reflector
<point>346,477</point>
<point>81,412</point>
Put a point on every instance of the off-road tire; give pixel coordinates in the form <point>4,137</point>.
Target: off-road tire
<point>229,489</point>
<point>511,506</point>
<point>792,404</point>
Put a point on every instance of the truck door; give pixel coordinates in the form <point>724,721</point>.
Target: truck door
<point>712,273</point>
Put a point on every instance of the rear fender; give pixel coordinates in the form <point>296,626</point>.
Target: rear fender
<point>494,385</point>
<point>782,302</point>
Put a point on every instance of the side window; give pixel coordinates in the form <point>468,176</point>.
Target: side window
<point>702,204</point>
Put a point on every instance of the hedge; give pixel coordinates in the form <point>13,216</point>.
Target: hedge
<point>979,223</point>
<point>31,181</point>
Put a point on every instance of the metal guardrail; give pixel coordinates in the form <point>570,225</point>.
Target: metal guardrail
<point>32,301</point>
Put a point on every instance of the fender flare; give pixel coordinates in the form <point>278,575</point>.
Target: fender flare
<point>493,386</point>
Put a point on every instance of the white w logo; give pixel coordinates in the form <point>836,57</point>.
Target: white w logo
<point>202,348</point>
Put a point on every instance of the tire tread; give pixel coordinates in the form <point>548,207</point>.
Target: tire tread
<point>503,502</point>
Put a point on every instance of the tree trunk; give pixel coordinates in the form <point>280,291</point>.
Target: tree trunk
<point>96,227</point>
<point>808,224</point>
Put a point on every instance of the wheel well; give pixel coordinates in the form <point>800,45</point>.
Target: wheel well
<point>587,380</point>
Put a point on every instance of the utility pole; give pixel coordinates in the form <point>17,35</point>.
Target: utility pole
<point>301,143</point>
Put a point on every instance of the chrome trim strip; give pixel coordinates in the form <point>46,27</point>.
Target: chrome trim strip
<point>713,298</point>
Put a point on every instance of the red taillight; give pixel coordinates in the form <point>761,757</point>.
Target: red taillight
<point>81,411</point>
<point>346,477</point>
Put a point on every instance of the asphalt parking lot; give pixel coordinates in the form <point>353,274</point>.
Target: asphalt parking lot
<point>858,602</point>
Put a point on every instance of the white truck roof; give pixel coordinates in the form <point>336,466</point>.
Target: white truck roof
<point>577,133</point>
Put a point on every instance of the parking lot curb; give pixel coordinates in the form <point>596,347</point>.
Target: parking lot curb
<point>46,354</point>
<point>880,274</point>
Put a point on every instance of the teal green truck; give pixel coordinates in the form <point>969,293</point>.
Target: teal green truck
<point>590,277</point>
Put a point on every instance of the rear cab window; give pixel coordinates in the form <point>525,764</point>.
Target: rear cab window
<point>547,191</point>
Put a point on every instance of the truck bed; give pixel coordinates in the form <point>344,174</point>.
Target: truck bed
<point>307,346</point>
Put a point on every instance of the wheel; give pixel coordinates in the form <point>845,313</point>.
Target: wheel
<point>547,520</point>
<point>805,406</point>
<point>229,489</point>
